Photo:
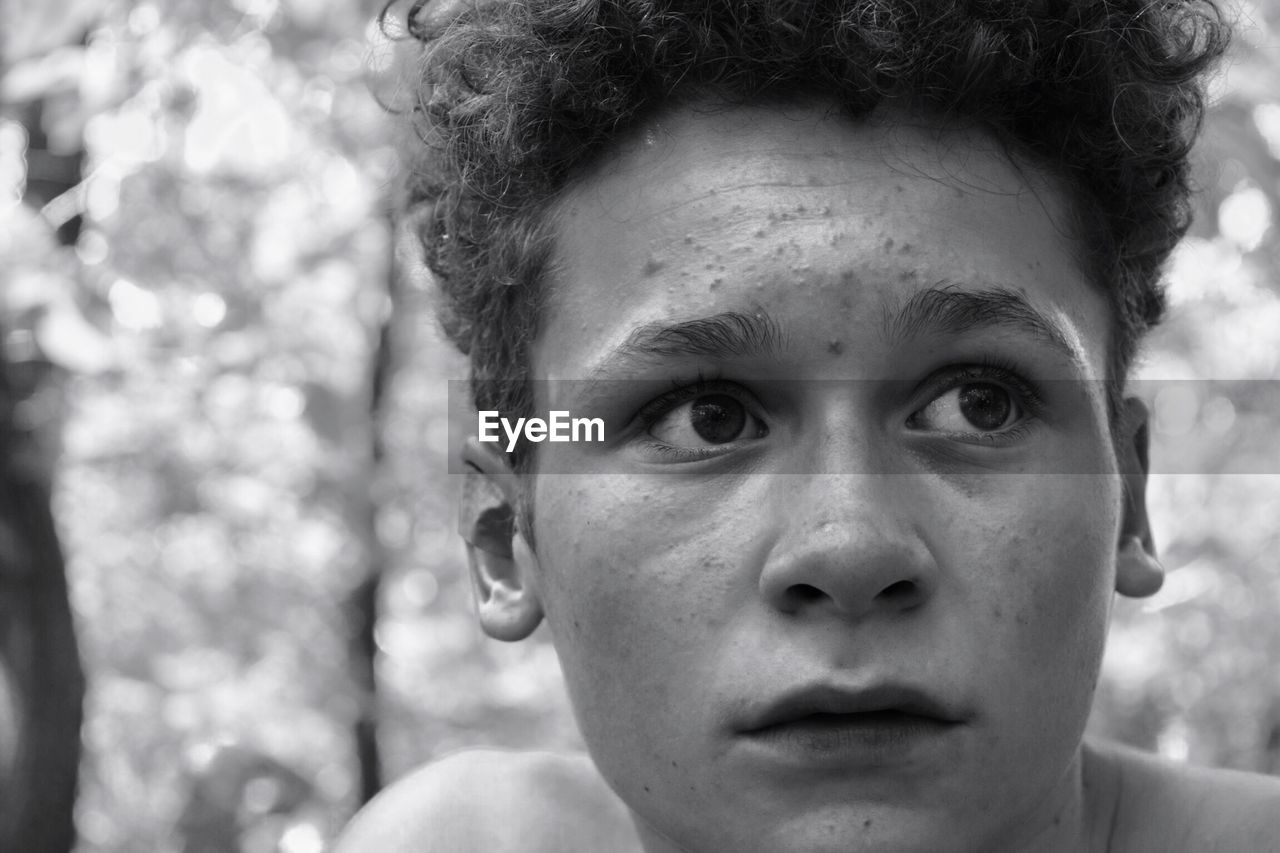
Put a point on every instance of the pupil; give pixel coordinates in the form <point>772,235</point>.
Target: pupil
<point>987,407</point>
<point>718,418</point>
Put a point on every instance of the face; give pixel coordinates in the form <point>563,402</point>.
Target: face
<point>829,583</point>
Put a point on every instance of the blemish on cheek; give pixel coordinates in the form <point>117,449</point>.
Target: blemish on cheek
<point>866,824</point>
<point>652,267</point>
<point>835,347</point>
<point>905,250</point>
<point>888,244</point>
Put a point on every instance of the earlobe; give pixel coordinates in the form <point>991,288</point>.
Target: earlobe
<point>1138,572</point>
<point>502,567</point>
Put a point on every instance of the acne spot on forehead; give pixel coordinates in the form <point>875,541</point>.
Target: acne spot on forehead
<point>888,244</point>
<point>652,267</point>
<point>835,347</point>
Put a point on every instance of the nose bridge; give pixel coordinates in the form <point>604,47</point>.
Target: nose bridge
<point>849,542</point>
<point>861,509</point>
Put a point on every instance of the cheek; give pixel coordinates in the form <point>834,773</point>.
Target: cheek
<point>631,585</point>
<point>1048,586</point>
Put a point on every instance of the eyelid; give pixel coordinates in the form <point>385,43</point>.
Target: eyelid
<point>1008,375</point>
<point>656,409</point>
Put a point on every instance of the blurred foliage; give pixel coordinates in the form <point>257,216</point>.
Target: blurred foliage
<point>214,329</point>
<point>1192,672</point>
<point>216,320</point>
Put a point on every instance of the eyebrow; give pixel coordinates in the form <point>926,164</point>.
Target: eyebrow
<point>947,308</point>
<point>726,335</point>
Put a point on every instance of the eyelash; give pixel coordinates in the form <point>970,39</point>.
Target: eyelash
<point>682,392</point>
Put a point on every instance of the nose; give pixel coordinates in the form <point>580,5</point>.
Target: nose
<point>848,546</point>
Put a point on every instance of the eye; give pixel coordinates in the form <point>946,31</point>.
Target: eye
<point>706,420</point>
<point>972,407</point>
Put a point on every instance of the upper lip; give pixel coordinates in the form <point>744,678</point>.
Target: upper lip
<point>829,699</point>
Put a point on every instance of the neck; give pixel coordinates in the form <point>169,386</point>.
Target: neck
<point>1076,817</point>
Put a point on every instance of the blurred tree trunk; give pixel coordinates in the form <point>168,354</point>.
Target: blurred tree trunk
<point>41,680</point>
<point>362,606</point>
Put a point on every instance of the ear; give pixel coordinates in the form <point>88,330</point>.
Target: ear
<point>1138,572</point>
<point>503,567</point>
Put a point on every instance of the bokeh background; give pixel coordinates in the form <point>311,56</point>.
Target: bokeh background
<point>228,374</point>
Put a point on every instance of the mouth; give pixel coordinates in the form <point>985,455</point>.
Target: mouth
<point>828,719</point>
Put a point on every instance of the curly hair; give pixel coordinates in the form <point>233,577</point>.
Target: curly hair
<point>515,97</point>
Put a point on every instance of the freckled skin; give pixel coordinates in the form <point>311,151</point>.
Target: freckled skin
<point>677,587</point>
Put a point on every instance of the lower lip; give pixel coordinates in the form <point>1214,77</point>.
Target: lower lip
<point>868,739</point>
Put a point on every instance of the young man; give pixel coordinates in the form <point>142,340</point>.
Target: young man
<point>855,286</point>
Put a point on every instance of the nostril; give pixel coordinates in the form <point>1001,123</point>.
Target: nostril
<point>805,593</point>
<point>900,591</point>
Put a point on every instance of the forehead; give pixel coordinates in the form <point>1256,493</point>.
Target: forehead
<point>827,224</point>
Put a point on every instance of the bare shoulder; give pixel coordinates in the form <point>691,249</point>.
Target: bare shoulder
<point>1165,805</point>
<point>496,802</point>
